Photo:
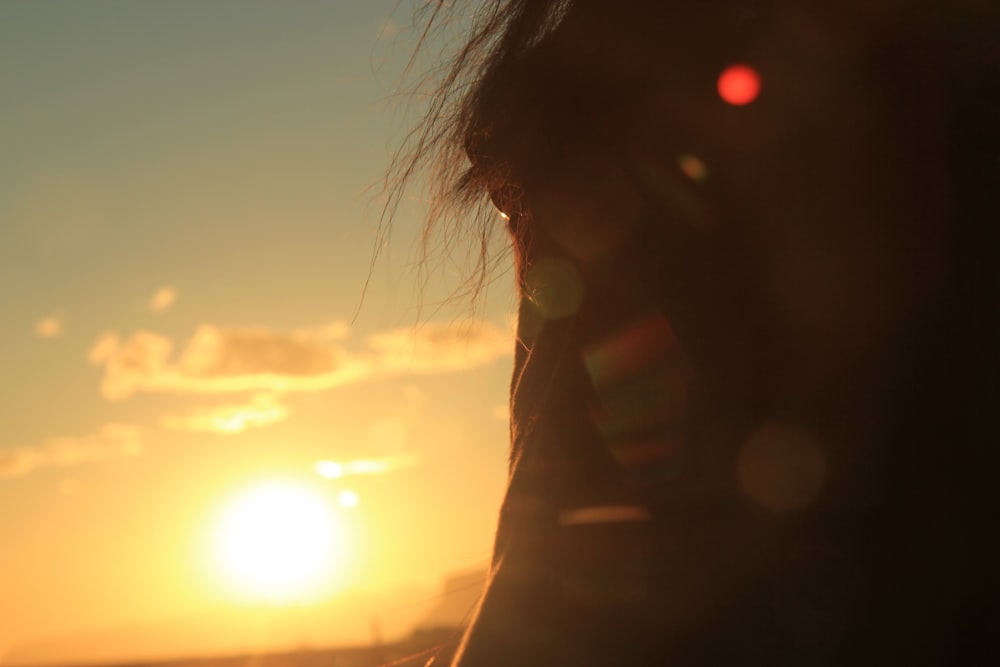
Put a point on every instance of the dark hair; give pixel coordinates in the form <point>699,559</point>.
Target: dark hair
<point>460,217</point>
<point>952,44</point>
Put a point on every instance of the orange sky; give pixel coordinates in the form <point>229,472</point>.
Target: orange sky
<point>185,232</point>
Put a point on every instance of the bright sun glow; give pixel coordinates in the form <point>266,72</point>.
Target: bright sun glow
<point>279,542</point>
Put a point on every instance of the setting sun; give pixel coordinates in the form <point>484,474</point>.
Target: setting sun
<point>279,542</point>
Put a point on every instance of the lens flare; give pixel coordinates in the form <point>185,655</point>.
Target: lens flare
<point>781,468</point>
<point>348,499</point>
<point>693,167</point>
<point>555,287</point>
<point>739,85</point>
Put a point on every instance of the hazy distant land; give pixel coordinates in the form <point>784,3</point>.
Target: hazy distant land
<point>353,630</point>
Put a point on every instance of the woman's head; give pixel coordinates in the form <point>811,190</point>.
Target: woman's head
<point>786,298</point>
<point>800,229</point>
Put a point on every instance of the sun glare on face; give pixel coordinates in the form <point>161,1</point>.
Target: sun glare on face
<point>278,542</point>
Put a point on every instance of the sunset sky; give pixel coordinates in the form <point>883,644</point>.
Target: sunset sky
<point>186,227</point>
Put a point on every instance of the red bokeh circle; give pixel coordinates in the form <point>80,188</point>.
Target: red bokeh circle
<point>739,84</point>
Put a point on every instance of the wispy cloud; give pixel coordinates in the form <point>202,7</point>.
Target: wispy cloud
<point>50,327</point>
<point>220,360</point>
<point>162,299</point>
<point>261,410</point>
<point>370,466</point>
<point>111,441</point>
<point>441,348</point>
<point>220,353</point>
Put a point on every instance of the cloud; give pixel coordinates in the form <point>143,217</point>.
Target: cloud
<point>263,409</point>
<point>377,466</point>
<point>50,327</point>
<point>103,348</point>
<point>441,348</point>
<point>111,441</point>
<point>129,364</point>
<point>221,360</point>
<point>215,352</point>
<point>163,299</point>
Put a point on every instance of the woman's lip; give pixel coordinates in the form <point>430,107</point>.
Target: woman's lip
<point>643,454</point>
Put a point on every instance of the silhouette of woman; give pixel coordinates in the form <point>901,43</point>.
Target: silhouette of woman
<point>756,368</point>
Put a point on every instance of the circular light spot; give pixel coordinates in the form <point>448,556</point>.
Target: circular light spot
<point>669,192</point>
<point>693,167</point>
<point>348,499</point>
<point>781,468</point>
<point>739,84</point>
<point>555,287</point>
